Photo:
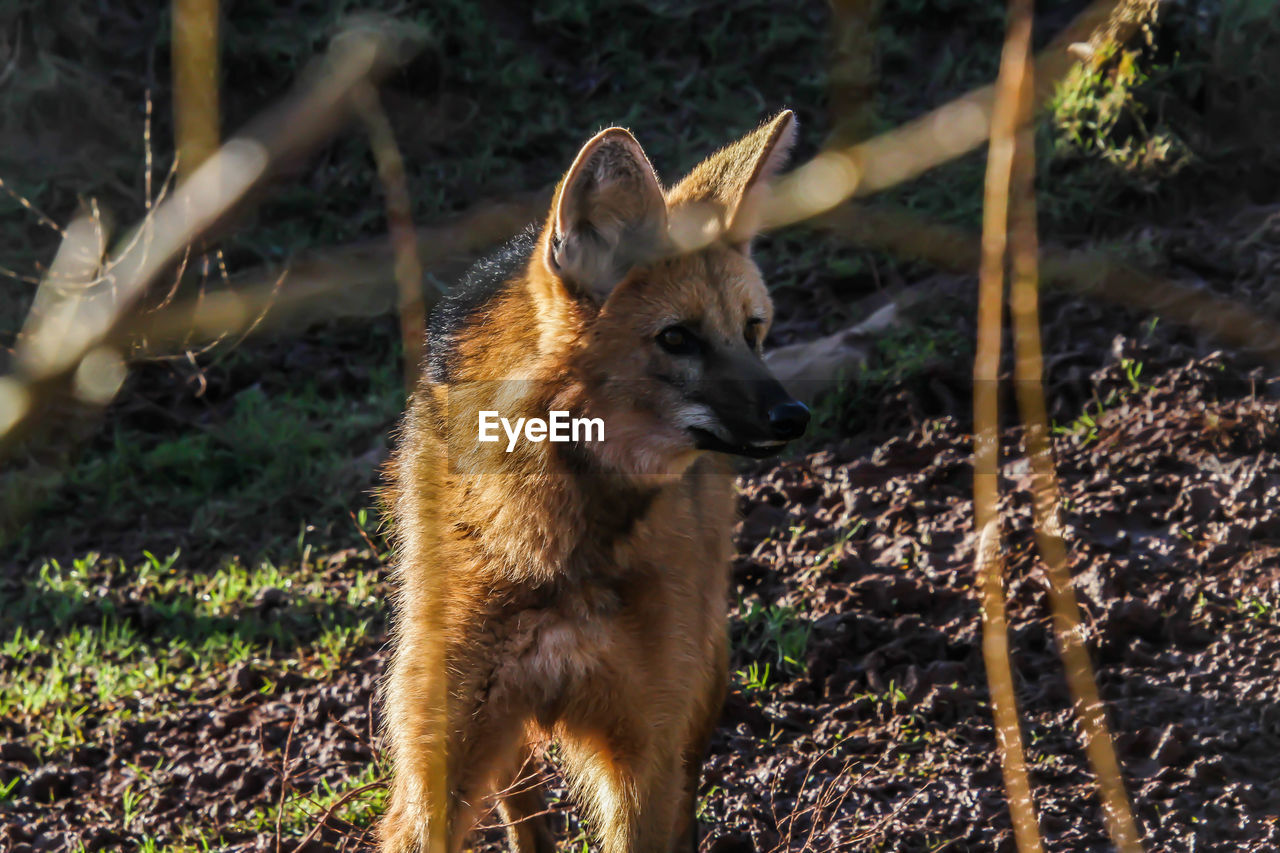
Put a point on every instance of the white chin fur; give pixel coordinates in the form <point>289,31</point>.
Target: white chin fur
<point>700,417</point>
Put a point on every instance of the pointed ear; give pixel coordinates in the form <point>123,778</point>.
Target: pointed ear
<point>735,179</point>
<point>607,216</point>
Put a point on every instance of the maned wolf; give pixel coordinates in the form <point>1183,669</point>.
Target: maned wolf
<point>576,590</point>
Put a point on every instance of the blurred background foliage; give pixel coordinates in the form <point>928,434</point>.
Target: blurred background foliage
<point>232,448</point>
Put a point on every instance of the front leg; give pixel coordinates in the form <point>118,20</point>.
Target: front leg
<point>706,717</point>
<point>482,744</point>
<point>416,747</point>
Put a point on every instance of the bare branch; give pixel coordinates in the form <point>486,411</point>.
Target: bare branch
<point>1006,117</point>
<point>195,81</point>
<point>318,107</point>
<point>1024,307</point>
<point>408,268</point>
<point>943,134</point>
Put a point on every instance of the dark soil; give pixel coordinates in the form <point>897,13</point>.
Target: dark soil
<point>1172,525</point>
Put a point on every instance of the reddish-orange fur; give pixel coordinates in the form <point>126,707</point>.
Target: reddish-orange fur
<point>574,594</point>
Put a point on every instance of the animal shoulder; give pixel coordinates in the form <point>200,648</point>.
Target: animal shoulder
<point>479,286</point>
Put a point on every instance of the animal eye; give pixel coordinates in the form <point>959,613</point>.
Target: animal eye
<point>678,340</point>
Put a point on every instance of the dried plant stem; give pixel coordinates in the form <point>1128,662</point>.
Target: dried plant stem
<point>404,243</point>
<point>851,87</point>
<point>285,771</point>
<point>197,205</point>
<point>990,569</point>
<point>1028,369</point>
<point>333,809</point>
<point>990,564</point>
<point>339,281</point>
<point>960,126</point>
<point>195,82</point>
<point>1094,273</point>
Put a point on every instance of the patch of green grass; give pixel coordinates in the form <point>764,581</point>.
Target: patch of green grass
<point>828,558</point>
<point>706,802</point>
<point>98,636</point>
<point>259,467</point>
<point>1256,609</point>
<point>1084,429</point>
<point>1105,138</point>
<point>889,703</point>
<point>777,635</point>
<point>754,678</point>
<point>363,798</point>
<point>964,54</point>
<point>1096,114</point>
<point>772,640</point>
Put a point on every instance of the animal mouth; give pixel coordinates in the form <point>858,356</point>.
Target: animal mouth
<point>706,440</point>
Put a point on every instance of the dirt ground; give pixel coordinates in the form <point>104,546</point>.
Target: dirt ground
<point>879,736</point>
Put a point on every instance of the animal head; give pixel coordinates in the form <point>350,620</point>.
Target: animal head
<point>670,352</point>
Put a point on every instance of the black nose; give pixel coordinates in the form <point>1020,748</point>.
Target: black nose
<point>788,420</point>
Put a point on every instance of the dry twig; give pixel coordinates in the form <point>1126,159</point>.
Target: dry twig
<point>404,245</point>
<point>943,134</point>
<point>1013,79</point>
<point>195,81</point>
<point>1028,380</point>
<point>45,374</point>
<point>333,809</point>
